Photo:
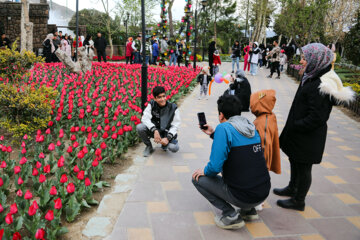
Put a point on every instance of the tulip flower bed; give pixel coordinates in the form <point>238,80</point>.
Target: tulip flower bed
<point>93,122</point>
<point>114,58</point>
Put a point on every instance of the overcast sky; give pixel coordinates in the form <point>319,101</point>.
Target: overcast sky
<point>178,8</point>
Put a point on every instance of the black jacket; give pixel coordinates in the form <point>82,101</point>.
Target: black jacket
<point>242,91</point>
<point>236,51</point>
<point>5,42</point>
<point>200,79</point>
<point>304,135</point>
<point>100,43</point>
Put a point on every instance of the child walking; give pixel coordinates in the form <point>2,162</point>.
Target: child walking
<point>204,79</point>
<point>262,104</point>
<point>216,62</point>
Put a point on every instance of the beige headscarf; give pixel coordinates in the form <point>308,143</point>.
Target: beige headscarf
<point>50,36</point>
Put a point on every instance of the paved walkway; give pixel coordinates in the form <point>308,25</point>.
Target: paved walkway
<point>164,205</point>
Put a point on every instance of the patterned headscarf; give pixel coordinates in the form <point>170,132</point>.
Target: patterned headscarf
<point>318,57</point>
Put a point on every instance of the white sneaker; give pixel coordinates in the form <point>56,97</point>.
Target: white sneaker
<point>259,207</point>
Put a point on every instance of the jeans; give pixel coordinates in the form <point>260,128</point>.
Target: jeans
<point>215,190</point>
<point>281,68</point>
<point>237,63</point>
<point>260,62</point>
<point>203,89</point>
<point>145,135</point>
<point>173,59</point>
<point>137,57</point>
<point>147,58</point>
<point>300,179</point>
<point>129,59</point>
<point>253,68</point>
<point>154,58</point>
<point>275,66</point>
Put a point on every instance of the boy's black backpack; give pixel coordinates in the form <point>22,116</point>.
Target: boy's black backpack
<point>242,90</point>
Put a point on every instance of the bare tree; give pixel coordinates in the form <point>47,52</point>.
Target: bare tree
<point>105,4</point>
<point>171,25</point>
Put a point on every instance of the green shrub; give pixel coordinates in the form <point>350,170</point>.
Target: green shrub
<point>24,110</point>
<point>14,65</point>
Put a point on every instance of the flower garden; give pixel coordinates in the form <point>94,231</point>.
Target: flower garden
<point>50,175</point>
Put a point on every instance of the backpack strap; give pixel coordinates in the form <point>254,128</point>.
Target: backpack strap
<point>265,131</point>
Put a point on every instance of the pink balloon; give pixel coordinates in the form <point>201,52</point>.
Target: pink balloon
<point>218,78</point>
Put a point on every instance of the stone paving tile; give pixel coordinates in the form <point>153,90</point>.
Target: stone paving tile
<point>174,226</point>
<point>165,205</point>
<point>285,222</point>
<point>336,228</point>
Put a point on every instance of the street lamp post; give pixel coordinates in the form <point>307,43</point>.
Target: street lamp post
<point>144,91</point>
<point>188,14</point>
<point>77,29</point>
<point>204,3</point>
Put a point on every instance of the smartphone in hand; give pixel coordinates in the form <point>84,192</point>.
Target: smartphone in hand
<point>202,120</point>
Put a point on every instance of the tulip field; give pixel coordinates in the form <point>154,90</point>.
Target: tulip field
<point>93,121</point>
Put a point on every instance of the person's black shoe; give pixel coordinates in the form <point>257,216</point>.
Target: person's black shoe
<point>291,204</point>
<point>286,191</point>
<point>249,215</point>
<point>278,77</point>
<point>269,76</point>
<point>232,71</point>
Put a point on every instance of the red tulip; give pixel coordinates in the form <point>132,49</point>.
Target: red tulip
<point>105,135</point>
<point>61,162</point>
<point>48,131</point>
<point>81,175</point>
<point>81,155</point>
<point>9,219</point>
<point>28,195</point>
<point>1,209</point>
<point>49,215</point>
<point>42,178</point>
<point>46,169</point>
<point>3,164</point>
<point>70,188</point>
<point>35,172</point>
<point>73,138</point>
<point>17,169</point>
<point>58,143</point>
<point>38,164</point>
<point>87,182</point>
<point>51,147</point>
<point>103,145</point>
<point>61,133</point>
<point>76,169</point>
<point>9,149</point>
<point>95,162</point>
<point>23,150</point>
<point>20,181</point>
<point>41,155</point>
<point>40,233</point>
<point>70,149</point>
<point>58,203</point>
<point>25,137</point>
<point>32,210</point>
<point>19,193</point>
<point>1,182</point>
<point>36,206</point>
<point>16,236</point>
<point>50,123</point>
<point>13,208</point>
<point>23,160</point>
<point>53,190</point>
<point>63,178</point>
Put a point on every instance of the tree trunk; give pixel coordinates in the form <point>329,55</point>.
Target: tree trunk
<point>289,42</point>
<point>279,40</point>
<point>110,39</point>
<point>216,8</point>
<point>26,42</point>
<point>171,25</point>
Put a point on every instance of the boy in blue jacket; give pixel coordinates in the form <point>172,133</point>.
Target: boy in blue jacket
<point>155,52</point>
<point>236,153</point>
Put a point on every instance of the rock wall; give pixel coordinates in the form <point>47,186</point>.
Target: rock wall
<point>10,19</point>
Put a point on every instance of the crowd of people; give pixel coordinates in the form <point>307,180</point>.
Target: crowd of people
<point>157,51</point>
<point>67,43</point>
<point>243,151</point>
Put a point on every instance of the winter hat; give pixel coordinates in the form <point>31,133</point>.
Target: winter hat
<point>216,53</point>
<point>240,73</point>
<point>256,43</point>
<point>205,69</point>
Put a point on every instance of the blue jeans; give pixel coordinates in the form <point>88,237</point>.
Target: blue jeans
<point>173,59</point>
<point>137,57</point>
<point>237,63</point>
<point>253,68</point>
<point>147,60</point>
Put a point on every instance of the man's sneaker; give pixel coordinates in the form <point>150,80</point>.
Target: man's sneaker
<point>148,151</point>
<point>228,222</point>
<point>249,215</point>
<point>232,71</point>
<point>269,76</point>
<point>278,77</point>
